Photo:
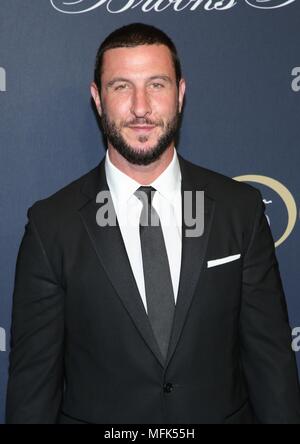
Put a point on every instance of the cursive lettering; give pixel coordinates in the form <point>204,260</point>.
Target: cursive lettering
<point>113,7</point>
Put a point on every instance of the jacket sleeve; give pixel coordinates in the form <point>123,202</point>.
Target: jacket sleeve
<point>268,360</point>
<point>35,383</point>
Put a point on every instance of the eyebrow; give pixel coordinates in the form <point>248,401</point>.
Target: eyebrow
<point>123,79</point>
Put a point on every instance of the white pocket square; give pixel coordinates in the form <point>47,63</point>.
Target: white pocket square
<point>223,260</point>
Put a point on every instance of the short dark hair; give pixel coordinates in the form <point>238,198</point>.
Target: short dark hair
<point>133,35</point>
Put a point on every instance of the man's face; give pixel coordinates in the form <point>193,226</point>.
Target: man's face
<point>140,102</point>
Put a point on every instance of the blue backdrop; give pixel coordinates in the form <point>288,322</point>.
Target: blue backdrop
<point>241,62</point>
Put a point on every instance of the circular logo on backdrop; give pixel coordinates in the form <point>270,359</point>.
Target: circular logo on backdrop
<point>285,196</point>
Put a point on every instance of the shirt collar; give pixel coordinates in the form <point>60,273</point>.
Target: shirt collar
<point>170,180</point>
<point>122,186</point>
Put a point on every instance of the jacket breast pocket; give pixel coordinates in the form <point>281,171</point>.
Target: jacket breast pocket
<point>223,261</point>
<point>224,273</point>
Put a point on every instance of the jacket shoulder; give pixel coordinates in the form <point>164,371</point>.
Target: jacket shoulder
<point>65,200</point>
<point>224,189</point>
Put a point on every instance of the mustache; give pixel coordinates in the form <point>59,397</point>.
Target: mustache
<point>143,121</point>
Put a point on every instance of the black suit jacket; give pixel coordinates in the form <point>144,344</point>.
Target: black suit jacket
<point>82,347</point>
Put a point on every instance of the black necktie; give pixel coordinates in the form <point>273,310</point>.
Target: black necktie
<point>158,283</point>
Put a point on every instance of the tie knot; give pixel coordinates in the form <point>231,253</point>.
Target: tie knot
<point>145,194</point>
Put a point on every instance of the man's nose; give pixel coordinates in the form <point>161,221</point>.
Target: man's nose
<point>141,105</point>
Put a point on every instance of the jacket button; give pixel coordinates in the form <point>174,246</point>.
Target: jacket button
<point>168,388</point>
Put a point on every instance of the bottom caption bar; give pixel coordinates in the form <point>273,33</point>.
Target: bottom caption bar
<point>133,433</point>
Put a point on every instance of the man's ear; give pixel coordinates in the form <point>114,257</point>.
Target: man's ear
<point>96,97</point>
<point>181,94</point>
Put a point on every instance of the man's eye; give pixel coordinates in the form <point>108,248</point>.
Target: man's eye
<point>157,85</point>
<point>120,87</point>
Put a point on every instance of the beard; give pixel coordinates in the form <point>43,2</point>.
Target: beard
<point>140,156</point>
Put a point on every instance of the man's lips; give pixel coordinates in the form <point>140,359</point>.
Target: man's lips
<point>142,128</point>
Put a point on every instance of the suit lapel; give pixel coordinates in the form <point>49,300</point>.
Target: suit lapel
<point>193,254</point>
<point>109,246</point>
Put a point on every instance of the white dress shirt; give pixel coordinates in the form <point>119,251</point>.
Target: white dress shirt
<point>167,203</point>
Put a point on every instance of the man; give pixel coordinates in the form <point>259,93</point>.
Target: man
<point>145,322</point>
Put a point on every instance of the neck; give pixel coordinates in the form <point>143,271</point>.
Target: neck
<point>144,174</point>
